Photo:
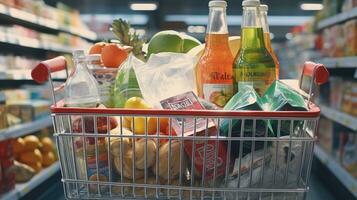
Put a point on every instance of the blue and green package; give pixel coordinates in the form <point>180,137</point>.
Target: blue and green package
<point>246,99</point>
<point>280,97</point>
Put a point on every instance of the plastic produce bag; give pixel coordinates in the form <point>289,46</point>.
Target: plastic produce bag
<point>126,84</point>
<point>166,75</point>
<point>245,99</point>
<point>280,97</point>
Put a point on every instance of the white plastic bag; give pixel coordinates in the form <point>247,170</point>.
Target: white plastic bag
<point>166,75</point>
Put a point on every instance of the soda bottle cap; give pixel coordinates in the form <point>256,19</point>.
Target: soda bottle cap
<point>217,4</point>
<point>263,7</point>
<point>250,3</point>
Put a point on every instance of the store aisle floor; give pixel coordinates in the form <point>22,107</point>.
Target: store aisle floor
<point>317,191</point>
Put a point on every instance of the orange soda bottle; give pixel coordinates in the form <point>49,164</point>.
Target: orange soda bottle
<point>263,9</point>
<point>214,68</point>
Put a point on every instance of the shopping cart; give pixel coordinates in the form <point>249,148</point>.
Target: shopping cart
<point>100,164</point>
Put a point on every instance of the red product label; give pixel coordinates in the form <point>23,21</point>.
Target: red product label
<point>7,162</point>
<point>216,151</point>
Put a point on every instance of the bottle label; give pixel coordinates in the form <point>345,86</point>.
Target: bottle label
<point>218,94</point>
<point>258,78</point>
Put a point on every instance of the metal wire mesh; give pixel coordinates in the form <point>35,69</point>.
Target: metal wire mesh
<point>235,158</point>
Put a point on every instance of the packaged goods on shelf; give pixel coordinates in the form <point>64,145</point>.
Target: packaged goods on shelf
<point>325,134</point>
<point>350,35</point>
<point>354,99</point>
<point>3,116</point>
<point>336,88</point>
<point>348,5</point>
<point>28,110</point>
<point>349,158</point>
<point>16,33</point>
<point>7,176</point>
<point>62,15</point>
<point>340,40</point>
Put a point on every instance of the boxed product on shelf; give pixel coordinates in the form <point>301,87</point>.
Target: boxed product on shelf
<point>348,5</point>
<point>354,98</point>
<point>349,153</point>
<point>350,33</point>
<point>6,163</point>
<point>28,110</point>
<point>336,88</point>
<point>346,104</point>
<point>325,134</point>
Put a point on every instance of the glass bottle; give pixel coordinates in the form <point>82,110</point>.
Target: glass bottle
<point>214,68</point>
<point>263,9</point>
<point>253,64</point>
<point>81,88</point>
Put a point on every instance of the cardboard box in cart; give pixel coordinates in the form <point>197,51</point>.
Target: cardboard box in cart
<point>204,151</point>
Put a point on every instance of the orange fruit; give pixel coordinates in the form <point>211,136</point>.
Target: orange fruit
<point>48,158</point>
<point>47,144</point>
<point>31,157</point>
<point>36,166</point>
<point>164,123</point>
<point>18,145</point>
<point>113,55</point>
<point>97,48</point>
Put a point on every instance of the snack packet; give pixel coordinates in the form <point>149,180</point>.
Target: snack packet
<point>200,127</point>
<point>246,99</point>
<point>279,97</point>
<point>126,83</point>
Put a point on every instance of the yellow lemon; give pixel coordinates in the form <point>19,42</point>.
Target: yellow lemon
<point>137,103</point>
<point>139,125</point>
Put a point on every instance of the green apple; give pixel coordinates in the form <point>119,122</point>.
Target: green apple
<point>171,41</point>
<point>189,43</point>
<point>165,41</point>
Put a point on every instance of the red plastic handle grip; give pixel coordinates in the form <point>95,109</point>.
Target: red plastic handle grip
<point>41,71</point>
<point>316,70</point>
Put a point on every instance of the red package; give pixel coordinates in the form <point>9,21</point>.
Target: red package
<point>189,101</point>
<point>7,162</point>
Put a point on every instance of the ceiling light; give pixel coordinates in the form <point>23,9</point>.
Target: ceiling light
<point>311,6</point>
<point>289,36</point>
<point>143,6</point>
<point>236,20</point>
<point>196,29</point>
<point>272,36</point>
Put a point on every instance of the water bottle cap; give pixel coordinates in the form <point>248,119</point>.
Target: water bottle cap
<point>251,3</point>
<point>78,53</point>
<point>94,57</point>
<point>217,4</point>
<point>263,7</point>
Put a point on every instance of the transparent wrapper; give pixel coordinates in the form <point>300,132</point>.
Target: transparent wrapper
<point>166,75</point>
<point>126,83</point>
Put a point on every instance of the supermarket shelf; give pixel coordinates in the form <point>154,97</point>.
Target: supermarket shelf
<point>26,128</point>
<point>30,20</point>
<point>339,117</point>
<point>344,62</point>
<point>345,178</point>
<point>24,188</point>
<point>32,43</point>
<point>337,19</point>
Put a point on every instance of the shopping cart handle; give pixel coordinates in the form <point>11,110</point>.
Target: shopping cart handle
<point>316,71</point>
<point>42,71</point>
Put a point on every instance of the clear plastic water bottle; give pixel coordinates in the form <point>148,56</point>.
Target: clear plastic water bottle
<point>81,88</point>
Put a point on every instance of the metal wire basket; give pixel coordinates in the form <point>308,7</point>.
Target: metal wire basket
<point>249,162</point>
